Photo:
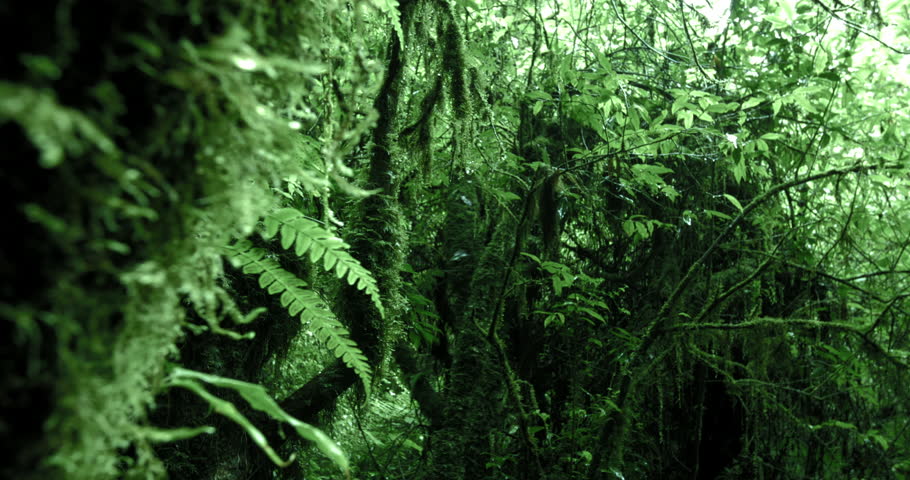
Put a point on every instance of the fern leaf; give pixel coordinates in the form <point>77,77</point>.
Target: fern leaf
<point>299,299</point>
<point>338,341</point>
<point>392,9</point>
<point>307,237</point>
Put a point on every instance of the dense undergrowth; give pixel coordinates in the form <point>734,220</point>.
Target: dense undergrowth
<point>533,240</point>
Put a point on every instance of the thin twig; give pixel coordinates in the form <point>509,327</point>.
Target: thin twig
<point>859,29</point>
<point>682,12</point>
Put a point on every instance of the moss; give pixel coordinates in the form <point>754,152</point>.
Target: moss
<point>149,135</point>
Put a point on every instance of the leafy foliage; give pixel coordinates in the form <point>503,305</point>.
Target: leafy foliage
<point>307,237</point>
<point>145,138</point>
<point>53,128</point>
<point>260,400</point>
<point>301,300</point>
<point>593,239</point>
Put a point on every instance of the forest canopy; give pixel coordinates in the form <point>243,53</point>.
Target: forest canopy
<point>455,239</point>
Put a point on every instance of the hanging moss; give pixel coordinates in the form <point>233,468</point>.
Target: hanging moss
<point>453,60</point>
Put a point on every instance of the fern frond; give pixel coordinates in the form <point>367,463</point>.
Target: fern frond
<point>306,236</point>
<point>299,299</point>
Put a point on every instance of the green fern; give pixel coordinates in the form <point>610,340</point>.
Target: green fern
<point>306,235</point>
<point>299,299</point>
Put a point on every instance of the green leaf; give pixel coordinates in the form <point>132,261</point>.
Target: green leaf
<point>803,101</point>
<point>739,171</point>
<point>410,444</point>
<point>593,314</point>
<point>506,196</point>
<point>539,95</point>
<point>687,116</point>
<point>470,4</point>
<point>390,8</point>
<point>308,238</point>
<point>835,424</point>
<point>259,399</point>
<point>788,10</point>
<point>679,104</point>
<point>721,107</point>
<point>656,169</point>
<point>557,319</point>
<point>752,102</point>
<point>532,257</point>
<point>734,201</point>
<point>715,213</point>
<point>298,299</point>
<point>820,62</point>
<point>878,438</point>
<point>227,409</point>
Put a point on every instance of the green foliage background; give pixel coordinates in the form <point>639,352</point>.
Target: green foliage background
<point>468,239</point>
